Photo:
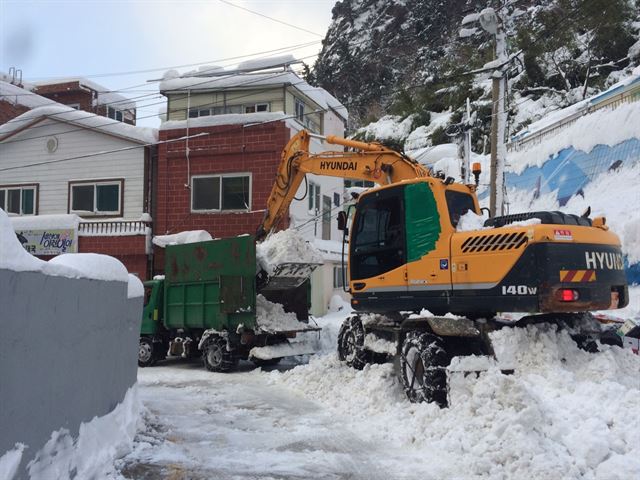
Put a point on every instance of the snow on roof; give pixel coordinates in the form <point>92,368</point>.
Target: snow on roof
<point>105,96</point>
<point>602,127</point>
<point>252,80</point>
<point>46,222</point>
<point>21,96</point>
<point>264,63</point>
<point>226,119</point>
<point>83,119</point>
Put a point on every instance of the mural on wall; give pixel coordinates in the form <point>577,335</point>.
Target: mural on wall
<point>571,170</point>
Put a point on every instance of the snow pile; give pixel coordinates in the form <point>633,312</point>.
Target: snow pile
<point>563,410</point>
<point>189,236</point>
<point>92,265</point>
<point>135,288</point>
<point>71,265</point>
<point>602,127</point>
<point>286,246</point>
<point>10,462</point>
<point>100,442</point>
<point>271,317</point>
<point>470,221</point>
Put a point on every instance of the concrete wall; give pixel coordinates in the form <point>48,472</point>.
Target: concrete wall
<point>68,353</point>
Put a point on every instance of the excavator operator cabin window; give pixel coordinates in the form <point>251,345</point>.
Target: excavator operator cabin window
<point>378,243</point>
<point>458,204</point>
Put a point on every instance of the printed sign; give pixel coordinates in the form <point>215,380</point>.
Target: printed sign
<point>562,235</point>
<point>48,242</point>
<point>444,264</point>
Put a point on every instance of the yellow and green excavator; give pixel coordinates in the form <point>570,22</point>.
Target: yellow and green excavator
<point>406,255</point>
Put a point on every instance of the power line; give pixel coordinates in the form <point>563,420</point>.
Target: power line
<point>269,18</point>
<point>187,65</point>
<point>152,95</point>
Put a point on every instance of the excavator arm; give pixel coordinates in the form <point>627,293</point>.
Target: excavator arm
<point>366,161</point>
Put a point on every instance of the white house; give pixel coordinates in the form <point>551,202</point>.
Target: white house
<point>57,160</point>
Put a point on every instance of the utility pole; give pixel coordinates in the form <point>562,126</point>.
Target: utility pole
<point>493,24</point>
<point>498,119</point>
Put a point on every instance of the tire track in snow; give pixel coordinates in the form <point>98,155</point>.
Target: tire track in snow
<point>202,425</point>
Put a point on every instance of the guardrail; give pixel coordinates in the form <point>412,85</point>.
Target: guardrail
<point>628,94</point>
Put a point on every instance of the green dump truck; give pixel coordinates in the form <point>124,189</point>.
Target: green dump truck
<point>207,306</point>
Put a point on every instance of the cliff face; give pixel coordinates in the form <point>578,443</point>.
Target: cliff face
<point>410,57</point>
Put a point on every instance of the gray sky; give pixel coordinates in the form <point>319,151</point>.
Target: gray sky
<point>103,39</point>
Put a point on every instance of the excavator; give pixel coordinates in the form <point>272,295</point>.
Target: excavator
<point>433,292</point>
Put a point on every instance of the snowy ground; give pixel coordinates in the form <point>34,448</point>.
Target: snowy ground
<point>564,414</point>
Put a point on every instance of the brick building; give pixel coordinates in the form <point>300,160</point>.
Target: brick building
<point>83,94</point>
<point>238,123</point>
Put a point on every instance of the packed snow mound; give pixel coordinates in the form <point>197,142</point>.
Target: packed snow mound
<point>286,246</point>
<point>189,236</point>
<point>563,410</point>
<point>271,317</point>
<point>92,454</point>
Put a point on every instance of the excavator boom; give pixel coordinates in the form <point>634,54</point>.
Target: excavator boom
<point>366,161</point>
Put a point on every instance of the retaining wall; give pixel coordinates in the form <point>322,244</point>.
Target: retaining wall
<point>68,353</point>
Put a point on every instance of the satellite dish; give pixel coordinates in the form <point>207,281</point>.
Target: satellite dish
<point>489,20</point>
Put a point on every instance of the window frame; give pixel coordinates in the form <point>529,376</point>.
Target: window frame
<point>315,196</point>
<point>95,183</point>
<point>116,112</point>
<point>21,186</point>
<point>299,114</point>
<point>221,176</point>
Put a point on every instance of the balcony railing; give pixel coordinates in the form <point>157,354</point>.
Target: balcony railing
<point>113,228</point>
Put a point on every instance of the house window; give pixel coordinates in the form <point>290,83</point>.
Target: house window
<point>299,104</point>
<point>336,199</point>
<point>221,192</point>
<point>114,113</point>
<point>75,106</point>
<point>258,107</point>
<point>337,277</point>
<point>314,198</point>
<point>96,197</point>
<point>19,199</point>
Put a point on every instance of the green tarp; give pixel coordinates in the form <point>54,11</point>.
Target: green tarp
<point>422,220</point>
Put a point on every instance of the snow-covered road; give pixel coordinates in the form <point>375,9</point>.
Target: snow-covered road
<point>564,413</point>
<point>202,425</point>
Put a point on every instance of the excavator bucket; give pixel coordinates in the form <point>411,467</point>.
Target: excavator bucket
<point>290,286</point>
<point>289,276</point>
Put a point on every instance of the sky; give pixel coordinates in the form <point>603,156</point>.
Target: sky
<point>107,40</point>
